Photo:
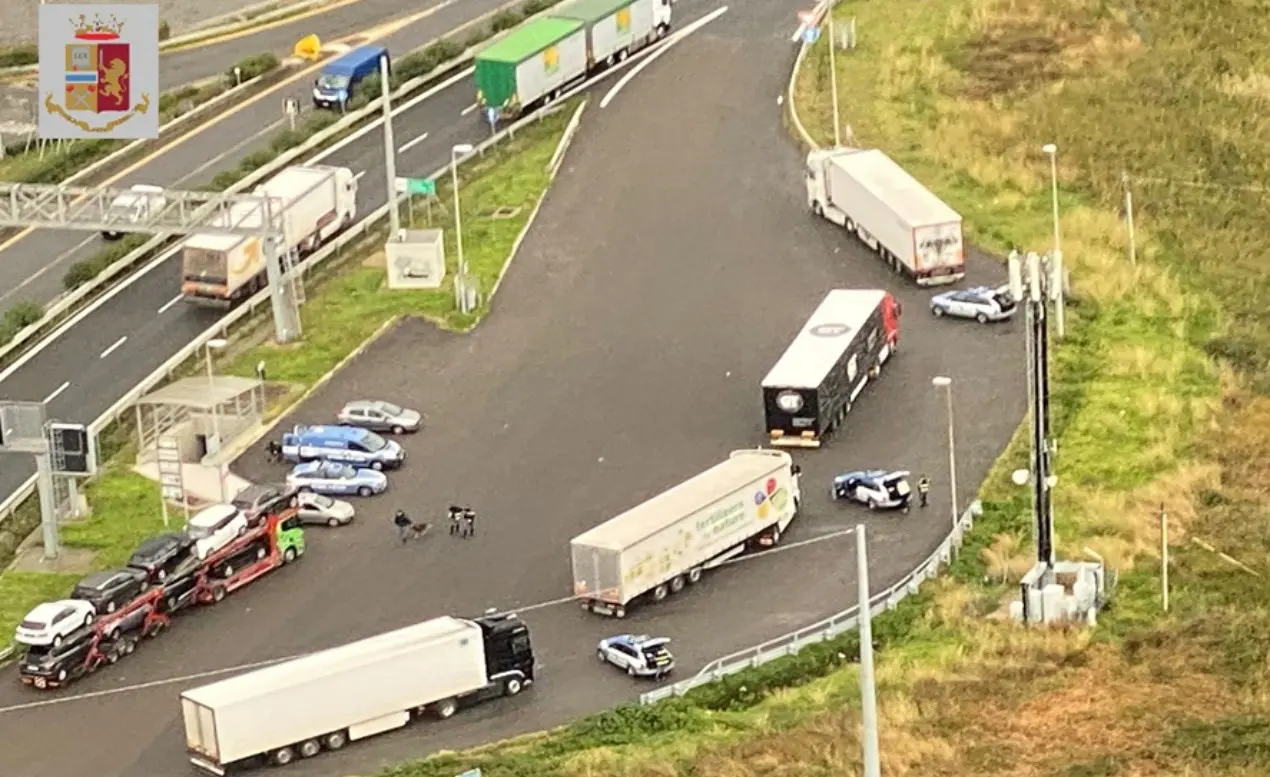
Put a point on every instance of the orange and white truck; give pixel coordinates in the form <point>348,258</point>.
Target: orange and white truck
<point>310,205</point>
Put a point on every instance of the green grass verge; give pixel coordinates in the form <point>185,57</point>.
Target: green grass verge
<point>350,307</point>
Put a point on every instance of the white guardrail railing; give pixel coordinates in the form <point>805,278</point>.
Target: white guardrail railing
<point>247,308</point>
<point>822,631</point>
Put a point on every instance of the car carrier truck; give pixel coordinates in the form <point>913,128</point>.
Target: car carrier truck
<point>327,699</point>
<point>615,29</point>
<point>865,192</point>
<point>655,549</point>
<point>311,204</point>
<point>533,64</point>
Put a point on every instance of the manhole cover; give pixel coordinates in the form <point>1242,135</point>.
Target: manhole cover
<point>506,212</point>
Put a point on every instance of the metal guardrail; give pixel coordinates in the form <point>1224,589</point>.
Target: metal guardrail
<point>824,630</point>
<point>247,308</point>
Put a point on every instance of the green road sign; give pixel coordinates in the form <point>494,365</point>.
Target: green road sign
<point>425,186</point>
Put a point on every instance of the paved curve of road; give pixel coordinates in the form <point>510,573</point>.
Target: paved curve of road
<point>32,267</point>
<point>573,402</point>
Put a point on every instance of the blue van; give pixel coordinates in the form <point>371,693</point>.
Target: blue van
<point>348,444</point>
<point>334,85</point>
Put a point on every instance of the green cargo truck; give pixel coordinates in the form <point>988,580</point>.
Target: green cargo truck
<point>618,28</point>
<point>533,64</point>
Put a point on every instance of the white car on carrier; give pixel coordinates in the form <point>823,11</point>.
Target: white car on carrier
<point>50,623</point>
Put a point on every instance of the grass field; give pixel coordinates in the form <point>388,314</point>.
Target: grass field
<point>342,311</point>
<point>1159,400</point>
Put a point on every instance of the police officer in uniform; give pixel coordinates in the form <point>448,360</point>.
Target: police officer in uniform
<point>923,491</point>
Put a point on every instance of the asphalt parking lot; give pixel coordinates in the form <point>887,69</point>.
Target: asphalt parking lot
<point>669,268</point>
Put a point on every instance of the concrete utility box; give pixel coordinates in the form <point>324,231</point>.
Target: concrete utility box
<point>415,259</point>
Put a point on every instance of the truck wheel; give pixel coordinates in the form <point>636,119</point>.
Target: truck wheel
<point>817,210</point>
<point>218,593</point>
<point>776,535</point>
<point>849,225</point>
<point>676,584</point>
<point>694,575</point>
<point>622,55</point>
<point>288,555</point>
<point>660,592</point>
<point>309,748</point>
<point>282,756</point>
<point>335,740</point>
<point>445,708</point>
<point>513,686</point>
<point>661,31</point>
<point>261,553</point>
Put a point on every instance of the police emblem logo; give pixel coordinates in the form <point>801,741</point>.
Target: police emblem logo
<point>99,71</point>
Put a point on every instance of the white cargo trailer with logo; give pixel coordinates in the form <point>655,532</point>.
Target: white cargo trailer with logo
<point>866,192</point>
<point>310,205</point>
<point>325,700</point>
<point>658,547</point>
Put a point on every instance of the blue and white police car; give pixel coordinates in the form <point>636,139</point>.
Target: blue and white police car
<point>348,444</point>
<point>981,303</point>
<point>335,479</point>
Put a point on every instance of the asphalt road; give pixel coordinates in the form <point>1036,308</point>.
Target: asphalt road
<point>666,273</point>
<point>32,268</point>
<point>158,325</point>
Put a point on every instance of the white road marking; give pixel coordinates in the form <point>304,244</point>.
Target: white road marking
<point>57,392</point>
<point>250,138</point>
<point>662,49</point>
<point>261,664</point>
<point>361,133</point>
<point>114,347</point>
<point>412,143</point>
<point>469,109</point>
<point>168,305</point>
<point>47,266</point>
<point>357,176</point>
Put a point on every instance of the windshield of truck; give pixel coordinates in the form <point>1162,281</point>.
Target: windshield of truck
<point>374,442</point>
<point>204,265</point>
<point>332,83</point>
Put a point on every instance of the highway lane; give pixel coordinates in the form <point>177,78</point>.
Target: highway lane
<point>157,325</point>
<point>572,403</point>
<point>32,267</point>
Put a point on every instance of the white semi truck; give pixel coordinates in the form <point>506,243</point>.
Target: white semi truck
<point>866,192</point>
<point>325,700</point>
<point>310,204</point>
<point>655,549</point>
<point>618,28</point>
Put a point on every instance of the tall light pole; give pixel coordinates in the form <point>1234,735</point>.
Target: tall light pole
<point>215,345</point>
<point>1128,217</point>
<point>390,149</point>
<point>1057,260</point>
<point>460,283</point>
<point>945,383</point>
<point>868,686</point>
<point>833,83</point>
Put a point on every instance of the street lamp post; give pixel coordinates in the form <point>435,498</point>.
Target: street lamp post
<point>868,685</point>
<point>216,345</point>
<point>1057,261</point>
<point>460,283</point>
<point>945,383</point>
<point>390,149</point>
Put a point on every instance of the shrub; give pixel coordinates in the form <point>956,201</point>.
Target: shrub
<point>505,20</point>
<point>165,30</point>
<point>86,270</point>
<point>24,314</point>
<point>537,6</point>
<point>250,67</point>
<point>287,139</point>
<point>223,180</point>
<point>20,56</point>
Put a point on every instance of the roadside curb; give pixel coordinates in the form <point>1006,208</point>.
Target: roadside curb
<point>557,160</point>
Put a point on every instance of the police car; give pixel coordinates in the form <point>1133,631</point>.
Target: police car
<point>334,479</point>
<point>639,654</point>
<point>347,444</point>
<point>981,303</point>
<point>875,488</point>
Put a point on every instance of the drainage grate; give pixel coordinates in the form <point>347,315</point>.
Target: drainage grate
<point>505,212</point>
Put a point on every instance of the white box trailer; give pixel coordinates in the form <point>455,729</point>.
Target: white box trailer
<point>656,548</point>
<point>310,205</point>
<point>866,192</point>
<point>618,28</point>
<point>536,62</point>
<point>325,700</point>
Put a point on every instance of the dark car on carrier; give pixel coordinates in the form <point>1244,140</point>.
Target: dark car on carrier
<point>263,499</point>
<point>109,591</point>
<point>163,555</point>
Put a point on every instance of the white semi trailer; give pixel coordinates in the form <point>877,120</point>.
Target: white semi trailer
<point>310,204</point>
<point>324,700</point>
<point>616,29</point>
<point>865,192</point>
<point>655,549</point>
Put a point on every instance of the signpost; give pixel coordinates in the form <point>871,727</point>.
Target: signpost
<point>426,187</point>
<point>171,476</point>
<point>291,107</point>
<point>491,118</point>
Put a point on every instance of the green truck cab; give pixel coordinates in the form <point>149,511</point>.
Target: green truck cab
<point>288,537</point>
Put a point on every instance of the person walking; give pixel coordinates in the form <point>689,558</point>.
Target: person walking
<point>403,524</point>
<point>923,491</point>
<point>456,519</point>
<point>469,522</point>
